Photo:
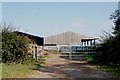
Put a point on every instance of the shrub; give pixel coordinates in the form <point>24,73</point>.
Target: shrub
<point>13,46</point>
<point>110,48</point>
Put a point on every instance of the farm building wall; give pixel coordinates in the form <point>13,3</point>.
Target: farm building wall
<point>66,38</point>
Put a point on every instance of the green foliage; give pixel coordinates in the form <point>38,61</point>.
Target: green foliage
<point>110,68</point>
<point>115,15</point>
<point>88,58</point>
<point>109,49</point>
<point>28,60</point>
<point>116,20</point>
<point>117,27</point>
<point>110,45</point>
<point>14,47</point>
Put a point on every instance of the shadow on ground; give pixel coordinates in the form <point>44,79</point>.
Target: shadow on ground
<point>77,58</point>
<point>73,69</point>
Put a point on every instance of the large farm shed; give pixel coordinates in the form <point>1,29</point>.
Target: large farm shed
<point>67,39</point>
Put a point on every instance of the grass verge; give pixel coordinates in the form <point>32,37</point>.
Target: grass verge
<point>22,70</point>
<point>0,70</point>
<point>105,66</point>
<point>17,70</point>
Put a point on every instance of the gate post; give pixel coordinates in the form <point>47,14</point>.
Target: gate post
<point>70,54</point>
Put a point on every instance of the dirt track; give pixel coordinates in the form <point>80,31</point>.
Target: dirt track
<point>57,67</point>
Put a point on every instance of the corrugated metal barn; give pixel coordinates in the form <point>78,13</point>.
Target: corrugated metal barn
<point>66,38</point>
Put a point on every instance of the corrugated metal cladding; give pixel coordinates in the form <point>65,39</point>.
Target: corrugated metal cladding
<point>66,38</point>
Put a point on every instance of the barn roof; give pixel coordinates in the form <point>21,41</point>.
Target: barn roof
<point>38,39</point>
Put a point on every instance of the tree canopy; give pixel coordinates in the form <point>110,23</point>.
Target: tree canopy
<point>110,45</point>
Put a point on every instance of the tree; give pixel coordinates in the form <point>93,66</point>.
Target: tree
<point>117,27</point>
<point>111,43</point>
<point>116,20</point>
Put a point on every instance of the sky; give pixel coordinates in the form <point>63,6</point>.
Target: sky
<point>50,18</point>
<point>59,0</point>
<point>0,12</point>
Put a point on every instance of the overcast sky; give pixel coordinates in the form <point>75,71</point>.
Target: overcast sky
<point>49,18</point>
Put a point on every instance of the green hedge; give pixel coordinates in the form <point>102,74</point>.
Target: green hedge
<point>14,47</point>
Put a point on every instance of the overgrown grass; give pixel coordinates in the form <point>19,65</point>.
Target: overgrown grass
<point>88,58</point>
<point>113,68</point>
<point>0,71</point>
<point>16,71</point>
<point>103,65</point>
<point>21,70</point>
<point>24,69</point>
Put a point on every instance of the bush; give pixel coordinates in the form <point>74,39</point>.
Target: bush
<point>14,47</point>
<point>110,46</point>
<point>110,49</point>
